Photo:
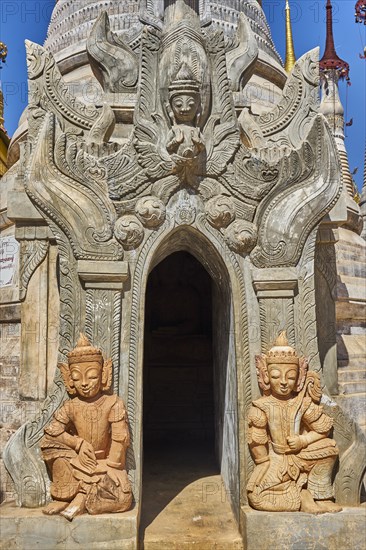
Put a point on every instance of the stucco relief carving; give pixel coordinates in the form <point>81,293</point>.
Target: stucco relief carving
<point>185,211</point>
<point>241,236</point>
<point>32,254</point>
<point>290,121</point>
<point>186,135</point>
<point>113,61</point>
<point>49,90</point>
<point>325,264</point>
<point>22,457</point>
<point>60,170</point>
<point>150,211</point>
<point>129,232</point>
<point>242,57</point>
<point>315,186</point>
<point>198,143</point>
<point>220,211</point>
<point>276,314</point>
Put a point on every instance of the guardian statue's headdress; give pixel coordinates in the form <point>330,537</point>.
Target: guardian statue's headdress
<point>282,352</point>
<point>84,352</point>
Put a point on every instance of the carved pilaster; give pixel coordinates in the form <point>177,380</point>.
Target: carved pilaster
<point>103,282</point>
<point>325,287</point>
<point>33,292</point>
<point>276,309</point>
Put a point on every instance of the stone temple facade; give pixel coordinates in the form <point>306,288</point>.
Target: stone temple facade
<point>181,237</point>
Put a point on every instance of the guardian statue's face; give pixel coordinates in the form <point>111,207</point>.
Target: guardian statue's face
<point>86,378</point>
<point>282,379</point>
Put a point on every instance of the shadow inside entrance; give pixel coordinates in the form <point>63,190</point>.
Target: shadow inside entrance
<point>168,470</point>
<point>184,502</point>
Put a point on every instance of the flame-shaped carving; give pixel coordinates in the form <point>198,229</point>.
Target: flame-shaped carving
<point>114,63</point>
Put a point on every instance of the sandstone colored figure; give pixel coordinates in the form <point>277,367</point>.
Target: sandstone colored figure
<point>288,437</point>
<point>185,141</point>
<point>85,444</point>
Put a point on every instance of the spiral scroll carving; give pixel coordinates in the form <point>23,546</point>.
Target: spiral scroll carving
<point>129,232</point>
<point>241,236</point>
<point>220,211</point>
<point>150,211</point>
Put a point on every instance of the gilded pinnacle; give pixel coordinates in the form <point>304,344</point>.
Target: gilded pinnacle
<point>290,51</point>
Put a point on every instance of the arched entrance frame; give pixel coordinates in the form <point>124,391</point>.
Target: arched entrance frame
<point>224,269</point>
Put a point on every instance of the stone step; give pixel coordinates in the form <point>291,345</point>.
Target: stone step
<point>350,287</point>
<point>353,253</point>
<point>348,310</point>
<point>348,374</point>
<point>354,269</point>
<point>348,240</point>
<point>347,247</point>
<point>351,350</point>
<point>353,363</point>
<point>350,251</point>
<point>356,386</point>
<point>354,341</point>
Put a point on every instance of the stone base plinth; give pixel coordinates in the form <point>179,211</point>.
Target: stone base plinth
<point>29,529</point>
<point>298,531</point>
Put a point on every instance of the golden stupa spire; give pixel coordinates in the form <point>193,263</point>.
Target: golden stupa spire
<point>1,109</point>
<point>290,52</point>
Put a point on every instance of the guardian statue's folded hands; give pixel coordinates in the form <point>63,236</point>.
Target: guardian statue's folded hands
<point>288,437</point>
<point>85,444</point>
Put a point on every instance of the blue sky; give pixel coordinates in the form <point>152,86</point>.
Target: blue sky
<point>21,19</point>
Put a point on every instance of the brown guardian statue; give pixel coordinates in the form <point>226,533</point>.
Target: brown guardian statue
<point>85,444</point>
<point>288,437</point>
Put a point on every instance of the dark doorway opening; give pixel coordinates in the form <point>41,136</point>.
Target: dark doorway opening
<point>190,444</point>
<point>189,420</point>
<point>178,393</point>
<point>178,366</point>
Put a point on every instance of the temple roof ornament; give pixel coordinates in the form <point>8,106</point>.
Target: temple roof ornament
<point>332,69</point>
<point>360,12</point>
<point>330,60</point>
<point>290,51</point>
<point>360,15</point>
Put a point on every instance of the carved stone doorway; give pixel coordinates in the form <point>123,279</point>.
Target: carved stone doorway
<point>186,399</point>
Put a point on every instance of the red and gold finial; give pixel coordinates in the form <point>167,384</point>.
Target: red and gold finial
<point>3,52</point>
<point>360,11</point>
<point>330,60</point>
